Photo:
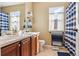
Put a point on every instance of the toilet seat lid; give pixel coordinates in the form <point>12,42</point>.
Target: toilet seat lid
<point>42,41</point>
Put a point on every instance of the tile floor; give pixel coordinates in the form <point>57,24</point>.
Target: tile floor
<point>51,50</point>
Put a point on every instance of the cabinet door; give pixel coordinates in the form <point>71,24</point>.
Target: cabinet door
<point>33,45</point>
<point>10,50</point>
<point>25,47</point>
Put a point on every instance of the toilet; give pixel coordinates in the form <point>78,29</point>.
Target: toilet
<point>42,43</point>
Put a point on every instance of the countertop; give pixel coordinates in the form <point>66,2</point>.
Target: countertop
<point>9,39</point>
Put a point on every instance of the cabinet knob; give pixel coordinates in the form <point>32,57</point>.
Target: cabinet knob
<point>19,45</point>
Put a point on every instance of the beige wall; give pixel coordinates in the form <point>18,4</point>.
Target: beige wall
<point>28,8</point>
<point>41,18</point>
<point>21,8</point>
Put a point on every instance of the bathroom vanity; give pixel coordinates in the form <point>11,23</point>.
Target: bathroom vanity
<point>13,45</point>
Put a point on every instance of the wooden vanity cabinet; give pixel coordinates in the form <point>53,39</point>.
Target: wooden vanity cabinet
<point>33,45</point>
<point>25,47</point>
<point>10,50</point>
<point>37,44</point>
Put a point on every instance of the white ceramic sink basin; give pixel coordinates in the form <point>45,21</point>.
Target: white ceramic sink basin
<point>30,33</point>
<point>7,37</point>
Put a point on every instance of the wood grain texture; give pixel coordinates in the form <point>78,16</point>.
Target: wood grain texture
<point>10,50</point>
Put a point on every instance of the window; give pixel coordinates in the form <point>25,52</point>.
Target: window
<point>15,21</point>
<point>56,19</point>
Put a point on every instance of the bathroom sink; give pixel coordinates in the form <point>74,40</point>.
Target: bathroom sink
<point>30,33</point>
<point>7,37</point>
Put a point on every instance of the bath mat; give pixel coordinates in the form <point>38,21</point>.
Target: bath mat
<point>63,54</point>
<point>55,48</point>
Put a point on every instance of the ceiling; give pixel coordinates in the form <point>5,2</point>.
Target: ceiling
<point>3,4</point>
